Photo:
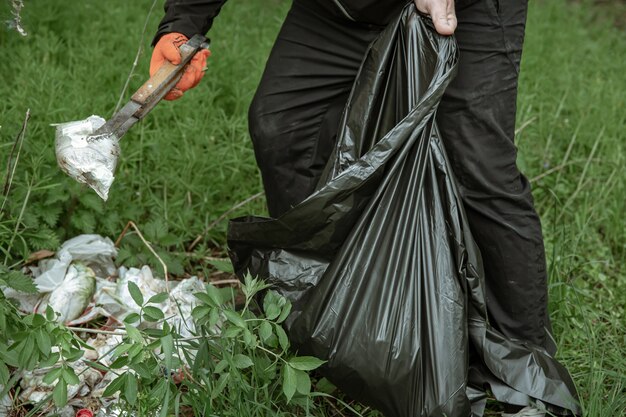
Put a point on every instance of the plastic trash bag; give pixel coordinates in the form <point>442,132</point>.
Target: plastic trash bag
<point>87,159</point>
<point>380,265</point>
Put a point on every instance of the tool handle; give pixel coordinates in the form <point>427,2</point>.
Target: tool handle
<point>153,90</point>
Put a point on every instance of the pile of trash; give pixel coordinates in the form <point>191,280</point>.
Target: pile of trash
<point>81,283</point>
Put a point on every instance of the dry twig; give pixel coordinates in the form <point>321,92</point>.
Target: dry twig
<point>11,166</point>
<point>139,52</point>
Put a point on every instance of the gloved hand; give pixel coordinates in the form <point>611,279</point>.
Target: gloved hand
<point>166,49</point>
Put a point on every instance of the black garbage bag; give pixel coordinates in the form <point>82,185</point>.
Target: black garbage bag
<point>380,265</point>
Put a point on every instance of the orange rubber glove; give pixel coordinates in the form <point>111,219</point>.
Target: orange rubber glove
<point>166,49</point>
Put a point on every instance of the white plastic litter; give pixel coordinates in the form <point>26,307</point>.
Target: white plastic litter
<point>94,251</point>
<point>81,284</point>
<point>90,160</point>
<point>73,294</point>
<point>5,404</point>
<point>35,390</point>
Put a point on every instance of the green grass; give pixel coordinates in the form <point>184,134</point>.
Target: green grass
<point>191,160</point>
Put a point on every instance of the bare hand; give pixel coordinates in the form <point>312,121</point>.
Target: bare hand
<point>441,12</point>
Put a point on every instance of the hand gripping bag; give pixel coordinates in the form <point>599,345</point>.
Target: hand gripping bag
<point>379,262</point>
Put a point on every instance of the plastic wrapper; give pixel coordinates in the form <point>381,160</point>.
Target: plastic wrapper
<point>94,251</point>
<point>35,390</point>
<point>89,159</point>
<point>73,295</point>
<point>386,281</point>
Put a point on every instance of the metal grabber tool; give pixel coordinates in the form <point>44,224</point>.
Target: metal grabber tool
<point>88,150</point>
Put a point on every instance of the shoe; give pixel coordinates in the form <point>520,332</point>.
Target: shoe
<point>527,412</point>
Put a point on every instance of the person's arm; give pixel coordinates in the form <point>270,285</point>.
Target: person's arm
<point>182,20</point>
<point>188,17</point>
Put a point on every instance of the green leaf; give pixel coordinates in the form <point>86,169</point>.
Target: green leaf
<point>134,351</point>
<point>158,298</point>
<point>235,319</point>
<point>325,386</point>
<point>153,313</point>
<point>289,382</point>
<point>283,340</point>
<point>121,349</point>
<point>156,230</point>
<point>38,320</point>
<point>116,385</point>
<point>167,344</point>
<point>305,363</point>
<point>135,293</point>
<point>133,333</point>
<point>249,338</point>
<point>223,265</point>
<point>20,282</point>
<point>272,311</point>
<point>231,332</point>
<point>242,361</point>
<point>43,342</point>
<point>26,352</point>
<point>303,383</point>
<point>142,370</point>
<point>265,330</point>
<point>50,314</point>
<point>165,405</point>
<point>284,313</point>
<point>221,366</point>
<point>200,312</point>
<point>221,384</point>
<point>70,377</point>
<point>59,394</point>
<point>132,318</point>
<point>212,296</point>
<point>50,360</point>
<point>97,365</point>
<point>119,362</point>
<point>73,355</point>
<point>51,376</point>
<point>130,389</point>
<point>4,374</point>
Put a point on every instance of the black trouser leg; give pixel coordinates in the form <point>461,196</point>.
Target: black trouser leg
<point>477,121</point>
<point>295,113</point>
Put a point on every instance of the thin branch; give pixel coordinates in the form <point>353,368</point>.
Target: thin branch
<point>222,217</point>
<point>121,236</point>
<point>11,167</point>
<point>137,56</point>
<point>145,242</point>
<point>95,331</point>
<point>559,168</point>
<point>225,281</point>
<point>525,124</point>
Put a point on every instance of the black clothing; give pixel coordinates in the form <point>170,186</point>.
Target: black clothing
<point>188,17</point>
<point>296,110</point>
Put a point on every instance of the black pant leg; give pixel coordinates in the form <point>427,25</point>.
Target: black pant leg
<point>295,113</point>
<point>477,120</point>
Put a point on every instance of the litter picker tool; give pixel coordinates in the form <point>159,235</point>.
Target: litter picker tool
<point>88,150</point>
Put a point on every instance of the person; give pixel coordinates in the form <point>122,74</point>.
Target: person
<point>295,113</point>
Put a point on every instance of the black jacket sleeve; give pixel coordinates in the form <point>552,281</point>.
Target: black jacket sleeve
<point>188,17</point>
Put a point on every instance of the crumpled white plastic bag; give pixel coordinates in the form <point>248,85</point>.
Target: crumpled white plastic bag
<point>89,160</point>
<point>94,251</point>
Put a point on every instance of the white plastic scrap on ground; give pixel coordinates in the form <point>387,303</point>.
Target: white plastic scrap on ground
<point>82,283</point>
